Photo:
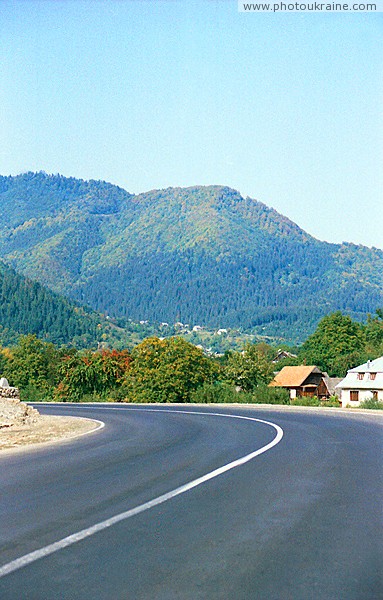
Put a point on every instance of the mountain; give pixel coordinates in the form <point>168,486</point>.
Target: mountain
<point>201,255</point>
<point>26,307</point>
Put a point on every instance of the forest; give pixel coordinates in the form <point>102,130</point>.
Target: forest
<point>27,307</point>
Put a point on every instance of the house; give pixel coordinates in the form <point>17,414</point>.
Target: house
<point>282,354</point>
<point>302,381</point>
<point>331,383</point>
<point>362,383</point>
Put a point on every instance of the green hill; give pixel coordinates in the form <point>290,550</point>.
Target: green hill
<point>201,255</point>
<point>27,307</point>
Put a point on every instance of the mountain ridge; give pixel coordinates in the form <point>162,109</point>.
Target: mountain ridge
<point>202,255</point>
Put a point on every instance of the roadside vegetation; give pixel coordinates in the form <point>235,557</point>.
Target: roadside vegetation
<point>372,403</point>
<point>175,370</point>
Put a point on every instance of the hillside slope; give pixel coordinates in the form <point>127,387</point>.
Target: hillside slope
<point>202,255</point>
<point>27,307</point>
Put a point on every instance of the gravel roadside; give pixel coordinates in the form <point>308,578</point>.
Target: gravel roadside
<point>22,426</point>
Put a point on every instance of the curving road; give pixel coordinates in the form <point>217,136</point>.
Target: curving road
<point>180,503</point>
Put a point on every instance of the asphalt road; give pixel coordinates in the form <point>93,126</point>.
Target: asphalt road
<point>300,521</point>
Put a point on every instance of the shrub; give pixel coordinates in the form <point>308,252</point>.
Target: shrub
<point>270,395</point>
<point>372,403</point>
<point>213,393</point>
<point>35,393</point>
<point>93,397</point>
<point>305,401</point>
<point>333,401</point>
<point>315,401</point>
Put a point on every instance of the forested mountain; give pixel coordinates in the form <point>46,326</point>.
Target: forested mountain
<point>201,255</point>
<point>26,307</point>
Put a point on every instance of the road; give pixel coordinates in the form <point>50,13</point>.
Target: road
<point>299,520</point>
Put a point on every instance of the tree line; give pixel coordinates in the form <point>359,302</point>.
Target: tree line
<point>174,370</point>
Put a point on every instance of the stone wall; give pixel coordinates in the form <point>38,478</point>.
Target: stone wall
<point>9,392</point>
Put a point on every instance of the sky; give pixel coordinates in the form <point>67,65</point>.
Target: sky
<point>148,94</point>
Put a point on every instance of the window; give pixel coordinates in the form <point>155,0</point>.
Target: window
<point>354,395</point>
<point>372,376</point>
<point>360,375</point>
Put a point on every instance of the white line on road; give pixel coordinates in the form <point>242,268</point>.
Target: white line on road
<point>31,557</point>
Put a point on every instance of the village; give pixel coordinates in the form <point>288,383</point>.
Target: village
<point>362,383</point>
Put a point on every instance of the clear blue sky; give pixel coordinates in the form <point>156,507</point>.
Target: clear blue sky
<point>285,108</point>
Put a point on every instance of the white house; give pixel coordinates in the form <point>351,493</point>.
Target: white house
<point>362,383</point>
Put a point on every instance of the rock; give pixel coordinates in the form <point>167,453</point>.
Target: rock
<point>9,392</point>
<point>13,412</point>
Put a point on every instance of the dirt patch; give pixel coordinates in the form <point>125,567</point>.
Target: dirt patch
<point>22,426</point>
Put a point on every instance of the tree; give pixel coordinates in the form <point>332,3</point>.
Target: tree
<point>167,370</point>
<point>374,334</point>
<point>94,373</point>
<point>249,368</point>
<point>337,345</point>
<point>4,354</point>
<point>33,366</point>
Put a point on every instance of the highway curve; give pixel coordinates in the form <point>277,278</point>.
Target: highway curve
<point>111,515</point>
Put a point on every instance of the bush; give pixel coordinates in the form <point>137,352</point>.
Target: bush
<point>372,403</point>
<point>34,393</point>
<point>214,393</point>
<point>270,395</point>
<point>305,401</point>
<point>333,401</point>
<point>315,401</point>
<point>117,394</point>
<point>93,397</point>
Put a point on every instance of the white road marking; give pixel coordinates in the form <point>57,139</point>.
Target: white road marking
<point>31,557</point>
